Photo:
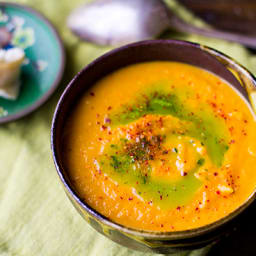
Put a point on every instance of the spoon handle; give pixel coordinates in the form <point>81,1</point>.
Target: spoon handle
<point>180,25</point>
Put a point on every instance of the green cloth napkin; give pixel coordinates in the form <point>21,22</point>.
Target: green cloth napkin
<point>36,218</point>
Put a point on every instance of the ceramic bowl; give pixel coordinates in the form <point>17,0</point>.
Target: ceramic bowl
<point>165,50</point>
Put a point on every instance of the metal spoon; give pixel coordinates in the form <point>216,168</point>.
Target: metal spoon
<point>115,22</point>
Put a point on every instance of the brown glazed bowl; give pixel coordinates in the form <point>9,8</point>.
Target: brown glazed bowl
<point>166,50</point>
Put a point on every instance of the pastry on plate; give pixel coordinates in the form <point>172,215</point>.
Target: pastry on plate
<point>10,65</point>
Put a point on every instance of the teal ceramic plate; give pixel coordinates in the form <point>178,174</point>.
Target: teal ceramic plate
<point>44,63</point>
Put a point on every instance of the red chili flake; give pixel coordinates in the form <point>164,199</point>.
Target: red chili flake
<point>98,122</point>
<point>218,192</point>
<point>185,174</point>
<point>245,121</point>
<point>215,174</point>
<point>130,198</point>
<point>178,208</point>
<point>107,120</point>
<point>137,182</point>
<point>205,186</point>
<point>121,198</point>
<point>244,132</point>
<point>197,209</point>
<point>231,128</point>
<point>232,142</point>
<point>161,121</point>
<point>162,225</point>
<point>161,197</point>
<point>103,127</point>
<point>224,116</point>
<point>109,133</point>
<point>207,200</point>
<point>109,107</point>
<point>92,93</point>
<point>213,104</point>
<point>100,138</point>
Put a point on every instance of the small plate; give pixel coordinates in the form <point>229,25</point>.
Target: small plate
<point>44,63</point>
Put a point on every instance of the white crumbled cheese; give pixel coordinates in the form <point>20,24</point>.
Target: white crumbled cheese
<point>202,205</point>
<point>2,54</point>
<point>140,215</point>
<point>180,167</point>
<point>251,152</point>
<point>96,164</point>
<point>200,150</point>
<point>10,62</point>
<point>13,54</point>
<point>134,191</point>
<point>225,189</point>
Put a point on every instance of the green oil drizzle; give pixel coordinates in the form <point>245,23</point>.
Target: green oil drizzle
<point>128,166</point>
<point>202,125</point>
<point>124,169</point>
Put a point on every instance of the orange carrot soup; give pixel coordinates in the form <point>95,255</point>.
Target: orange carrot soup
<point>162,146</point>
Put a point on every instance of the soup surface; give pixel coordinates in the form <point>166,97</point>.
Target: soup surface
<point>162,146</point>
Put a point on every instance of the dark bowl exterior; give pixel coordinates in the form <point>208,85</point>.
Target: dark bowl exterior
<point>152,50</point>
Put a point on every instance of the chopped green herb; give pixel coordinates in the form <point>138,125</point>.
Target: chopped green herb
<point>115,163</point>
<point>175,150</point>
<point>201,161</point>
<point>203,126</point>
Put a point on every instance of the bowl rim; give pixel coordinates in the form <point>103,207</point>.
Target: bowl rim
<point>145,234</point>
<point>42,100</point>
